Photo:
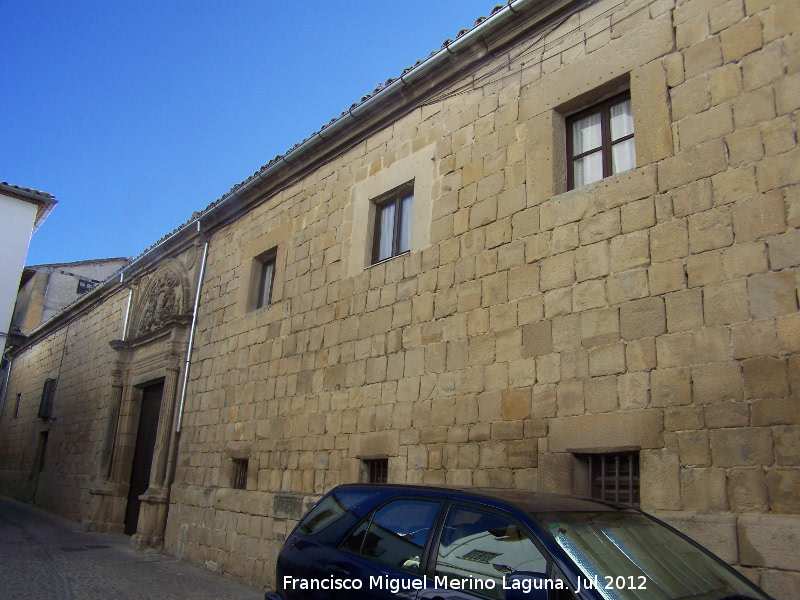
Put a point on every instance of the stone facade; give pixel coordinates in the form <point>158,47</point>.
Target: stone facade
<point>530,326</point>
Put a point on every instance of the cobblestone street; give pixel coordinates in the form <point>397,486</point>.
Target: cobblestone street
<point>45,557</point>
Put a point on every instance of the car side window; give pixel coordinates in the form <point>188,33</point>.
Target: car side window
<point>396,534</point>
<point>330,509</point>
<point>484,546</point>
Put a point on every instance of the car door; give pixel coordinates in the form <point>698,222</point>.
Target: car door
<point>476,552</point>
<point>385,553</point>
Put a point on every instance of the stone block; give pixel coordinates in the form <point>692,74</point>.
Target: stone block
<point>675,350</point>
<point>704,489</point>
<point>684,310</point>
<point>745,146</point>
<point>765,377</point>
<point>681,418</point>
<point>544,401</point>
<point>744,259</point>
<point>666,277</point>
<point>754,108</point>
<point>600,394</point>
<point>599,326</point>
<point>629,285</point>
<point>638,215</point>
<point>716,382</point>
<point>713,343</point>
<point>516,404</point>
<point>670,387</point>
<point>640,355</point>
<point>601,226</point>
<point>633,390</point>
<point>523,281</point>
<point>607,360</point>
<point>702,56</point>
<point>772,294</point>
<point>705,126</point>
<point>692,198</point>
<point>669,241</point>
<point>741,447</point>
<point>725,303</point>
<point>660,480</point>
<point>694,448</point>
<point>557,271</point>
<point>690,165</point>
<point>741,39</point>
<point>755,338</point>
<point>784,250</point>
<point>762,67</point>
<point>690,97</point>
<point>725,83</point>
<point>726,414</point>
<point>651,113</point>
<point>760,217</point>
<point>643,428</point>
<point>786,95</point>
<point>569,396</point>
<point>747,490</point>
<point>629,251</point>
<point>769,541</point>
<point>588,295</point>
<point>523,454</point>
<point>782,486</point>
<point>787,445</point>
<point>736,184</point>
<point>537,339</point>
<point>555,473</point>
<point>642,318</point>
<point>779,584</point>
<point>710,230</point>
<point>592,261</point>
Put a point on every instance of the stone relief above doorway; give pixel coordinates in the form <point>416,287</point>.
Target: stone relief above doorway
<point>162,297</point>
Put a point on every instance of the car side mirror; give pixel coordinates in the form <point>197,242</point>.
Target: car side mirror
<point>527,586</point>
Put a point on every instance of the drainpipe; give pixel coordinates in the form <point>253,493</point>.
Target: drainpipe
<point>127,308</point>
<point>7,360</point>
<point>192,330</point>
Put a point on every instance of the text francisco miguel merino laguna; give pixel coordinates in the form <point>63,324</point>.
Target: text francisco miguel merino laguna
<point>394,585</point>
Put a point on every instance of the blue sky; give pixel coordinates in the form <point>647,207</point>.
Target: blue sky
<point>134,114</point>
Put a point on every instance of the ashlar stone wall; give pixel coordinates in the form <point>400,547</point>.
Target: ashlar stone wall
<point>529,324</point>
<point>79,357</point>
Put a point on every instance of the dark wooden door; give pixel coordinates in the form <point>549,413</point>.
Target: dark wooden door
<point>143,454</point>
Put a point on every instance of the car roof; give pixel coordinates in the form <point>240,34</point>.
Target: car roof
<point>527,500</point>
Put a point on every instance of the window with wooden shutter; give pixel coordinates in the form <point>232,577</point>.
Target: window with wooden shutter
<point>46,403</point>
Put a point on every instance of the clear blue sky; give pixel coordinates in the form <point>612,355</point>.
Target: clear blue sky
<point>135,114</point>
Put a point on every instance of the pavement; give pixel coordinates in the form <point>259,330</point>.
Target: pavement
<point>44,557</point>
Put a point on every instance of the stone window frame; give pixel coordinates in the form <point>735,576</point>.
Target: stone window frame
<point>253,255</point>
<point>603,107</point>
<point>546,139</point>
<point>418,167</point>
<point>374,470</point>
<point>239,472</point>
<point>396,196</point>
<point>266,277</point>
<point>583,483</point>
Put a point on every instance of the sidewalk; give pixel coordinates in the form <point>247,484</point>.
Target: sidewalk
<point>45,557</point>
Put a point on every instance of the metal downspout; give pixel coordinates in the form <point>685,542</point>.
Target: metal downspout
<point>127,309</point>
<point>192,330</point>
<point>5,384</point>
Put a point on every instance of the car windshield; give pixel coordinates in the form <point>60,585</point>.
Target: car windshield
<point>632,556</point>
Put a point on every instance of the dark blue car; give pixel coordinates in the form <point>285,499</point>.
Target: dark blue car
<point>415,542</point>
